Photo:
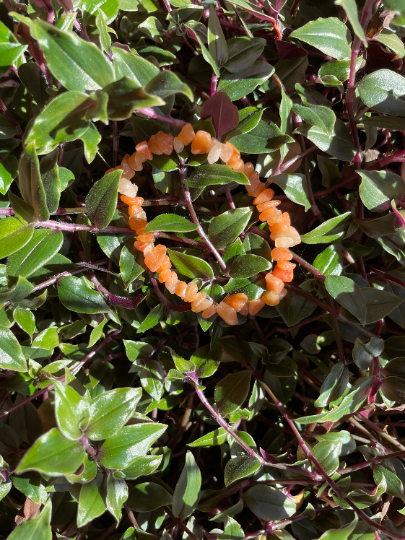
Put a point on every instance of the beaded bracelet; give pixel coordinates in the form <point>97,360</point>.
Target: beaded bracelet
<point>156,258</point>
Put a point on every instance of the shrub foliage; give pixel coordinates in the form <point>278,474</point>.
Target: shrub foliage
<point>126,415</point>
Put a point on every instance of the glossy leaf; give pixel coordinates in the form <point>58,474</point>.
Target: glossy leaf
<point>187,490</point>
<point>247,266</point>
<point>13,236</point>
<point>264,138</point>
<point>350,8</point>
<point>328,35</point>
<point>170,223</point>
<point>190,266</point>
<point>328,232</point>
<point>77,64</point>
<point>384,91</point>
<point>224,229</point>
<point>44,245</point>
<point>110,411</point>
<point>11,355</point>
<point>91,504</point>
<point>348,294</point>
<point>213,175</point>
<point>378,188</point>
<point>71,411</point>
<point>238,85</point>
<point>148,496</point>
<point>120,450</point>
<point>295,187</point>
<point>268,503</point>
<point>101,200</point>
<point>240,467</point>
<point>75,294</point>
<point>231,392</point>
<point>214,438</point>
<point>117,494</point>
<point>216,40</point>
<point>30,183</point>
<point>53,454</point>
<point>127,64</point>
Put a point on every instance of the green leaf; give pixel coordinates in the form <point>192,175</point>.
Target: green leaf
<point>71,411</point>
<point>269,503</point>
<point>378,188</point>
<point>53,454</point>
<point>295,186</point>
<point>206,360</point>
<point>166,84</point>
<point>246,123</point>
<point>148,497</point>
<point>142,466</point>
<point>384,91</point>
<point>379,303</point>
<point>266,137</point>
<point>225,228</point>
<point>127,64</point>
<point>214,175</point>
<point>317,115</point>
<point>187,490</point>
<point>63,120</point>
<point>87,474</point>
<point>363,353</point>
<point>101,200</point>
<point>120,450</point>
<point>328,35</point>
<point>25,320</point>
<point>125,96</point>
<point>391,41</point>
<point>213,438</point>
<point>75,63</point>
<point>44,245</point>
<point>105,39</point>
<point>151,320</point>
<point>38,528</point>
<point>327,455</point>
<point>246,266</point>
<point>339,144</point>
<point>8,171</point>
<point>190,266</point>
<point>242,52</point>
<point>238,85</point>
<point>350,404</point>
<point>76,295</point>
<point>50,179</point>
<point>240,467</point>
<point>349,295</point>
<point>170,223</point>
<point>233,531</point>
<point>11,355</point>
<point>96,333</point>
<point>217,44</point>
<point>329,231</point>
<point>30,183</point>
<point>152,379</point>
<point>385,122</point>
<point>117,494</point>
<point>10,48</point>
<point>334,385</point>
<point>110,411</point>
<point>328,261</point>
<point>231,392</point>
<point>350,8</point>
<point>13,235</point>
<point>90,139</point>
<point>129,268</point>
<point>394,367</point>
<point>91,504</point>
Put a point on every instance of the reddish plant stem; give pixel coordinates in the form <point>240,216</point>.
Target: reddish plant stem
<point>127,303</point>
<point>175,238</point>
<point>74,370</point>
<point>290,162</point>
<point>183,307</point>
<point>200,230</point>
<point>214,82</point>
<point>150,113</point>
<point>229,198</point>
<point>131,516</point>
<point>180,523</point>
<point>286,330</point>
<point>371,462</point>
<point>74,227</point>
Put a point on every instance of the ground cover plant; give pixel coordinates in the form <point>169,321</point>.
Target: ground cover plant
<point>202,269</point>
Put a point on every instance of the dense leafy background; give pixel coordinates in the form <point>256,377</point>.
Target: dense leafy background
<point>123,414</point>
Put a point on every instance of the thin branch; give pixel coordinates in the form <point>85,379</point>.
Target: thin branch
<point>150,113</point>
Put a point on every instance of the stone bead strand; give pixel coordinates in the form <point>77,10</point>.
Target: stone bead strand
<point>156,258</point>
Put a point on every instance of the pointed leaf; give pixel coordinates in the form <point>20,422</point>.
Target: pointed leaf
<point>101,200</point>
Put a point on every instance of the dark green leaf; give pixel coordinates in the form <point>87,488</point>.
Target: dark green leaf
<point>246,266</point>
<point>214,438</point>
<point>11,355</point>
<point>378,188</point>
<point>269,503</point>
<point>30,183</point>
<point>44,244</point>
<point>328,35</point>
<point>147,497</point>
<point>213,175</point>
<point>231,392</point>
<point>75,294</point>
<point>226,228</point>
<point>166,84</point>
<point>295,187</point>
<point>384,91</point>
<point>348,294</point>
<point>238,85</point>
<point>328,232</point>
<point>264,138</point>
<point>240,467</point>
